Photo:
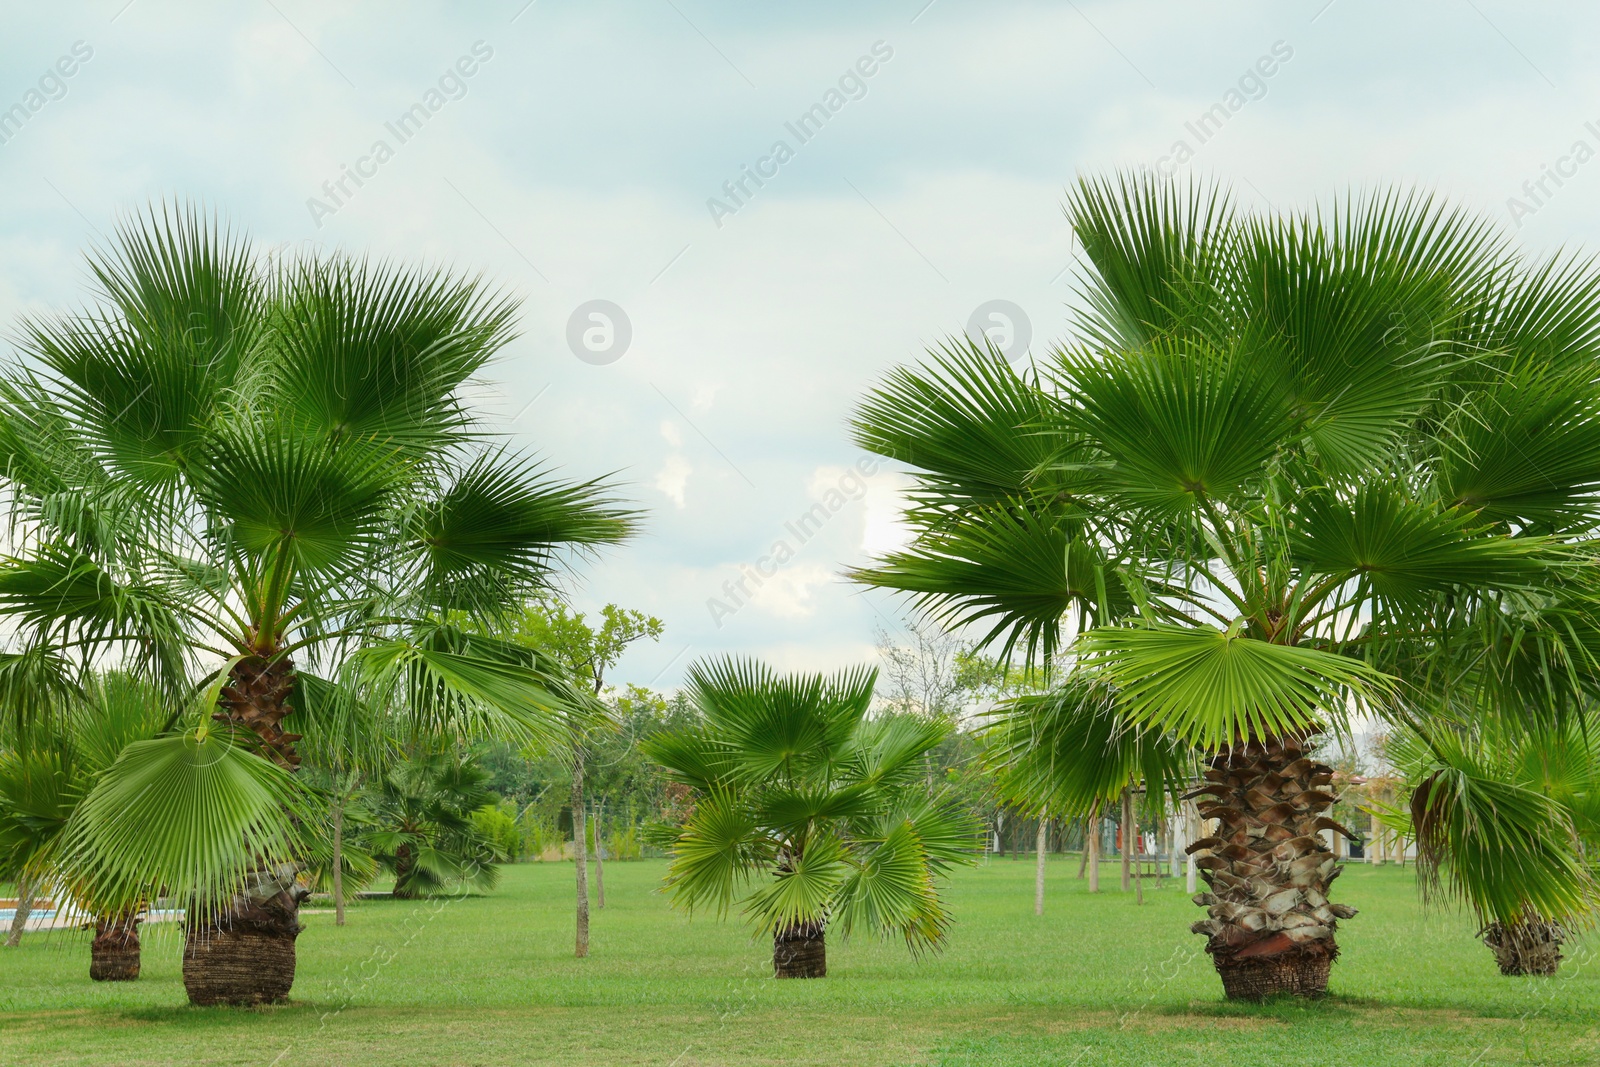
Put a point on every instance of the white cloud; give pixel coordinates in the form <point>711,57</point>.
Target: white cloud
<point>673,477</point>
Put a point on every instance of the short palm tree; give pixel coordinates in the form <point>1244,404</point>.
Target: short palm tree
<point>47,768</point>
<point>1291,466</point>
<point>423,832</point>
<point>269,466</point>
<point>1508,822</point>
<point>821,812</point>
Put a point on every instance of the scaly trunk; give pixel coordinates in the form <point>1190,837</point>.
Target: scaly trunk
<point>580,856</point>
<point>114,952</point>
<point>1271,928</point>
<point>19,918</point>
<point>246,954</point>
<point>799,951</point>
<point>257,698</point>
<point>1529,947</point>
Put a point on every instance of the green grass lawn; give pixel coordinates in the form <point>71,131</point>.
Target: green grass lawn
<point>1097,980</point>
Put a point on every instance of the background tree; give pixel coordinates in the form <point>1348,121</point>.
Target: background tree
<point>588,651</point>
<point>796,789</point>
<point>1286,462</point>
<point>269,466</point>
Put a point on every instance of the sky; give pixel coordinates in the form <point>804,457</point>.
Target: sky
<point>727,221</point>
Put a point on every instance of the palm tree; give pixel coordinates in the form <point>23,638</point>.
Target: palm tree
<point>821,811</point>
<point>272,467</point>
<point>1508,822</point>
<point>423,830</point>
<point>1290,467</point>
<point>46,771</point>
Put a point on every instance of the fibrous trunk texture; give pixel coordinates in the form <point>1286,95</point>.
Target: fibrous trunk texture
<point>114,952</point>
<point>798,951</point>
<point>1271,927</point>
<point>246,955</point>
<point>257,698</point>
<point>1529,947</point>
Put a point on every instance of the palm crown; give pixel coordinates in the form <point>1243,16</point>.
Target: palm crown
<point>795,786</point>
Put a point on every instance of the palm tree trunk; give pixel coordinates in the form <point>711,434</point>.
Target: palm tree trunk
<point>245,954</point>
<point>338,861</point>
<point>599,859</point>
<point>1038,874</point>
<point>257,698</point>
<point>1532,946</point>
<point>1271,927</point>
<point>580,854</point>
<point>798,951</point>
<point>404,864</point>
<point>114,952</point>
<point>19,918</point>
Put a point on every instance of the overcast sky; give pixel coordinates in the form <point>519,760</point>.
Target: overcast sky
<point>629,153</point>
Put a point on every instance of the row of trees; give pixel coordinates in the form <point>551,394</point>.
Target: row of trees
<point>1290,471</point>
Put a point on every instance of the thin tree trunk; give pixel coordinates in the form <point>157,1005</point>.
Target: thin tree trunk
<point>1138,867</point>
<point>1092,848</point>
<point>1127,818</point>
<point>580,854</point>
<point>338,861</point>
<point>24,908</point>
<point>599,858</point>
<point>1038,875</point>
<point>1083,859</point>
<point>1191,834</point>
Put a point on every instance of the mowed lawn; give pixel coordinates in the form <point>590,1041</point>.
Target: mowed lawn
<point>1097,980</point>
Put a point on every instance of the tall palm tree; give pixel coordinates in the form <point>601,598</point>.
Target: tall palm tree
<point>235,475</point>
<point>1290,467</point>
<point>821,812</point>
